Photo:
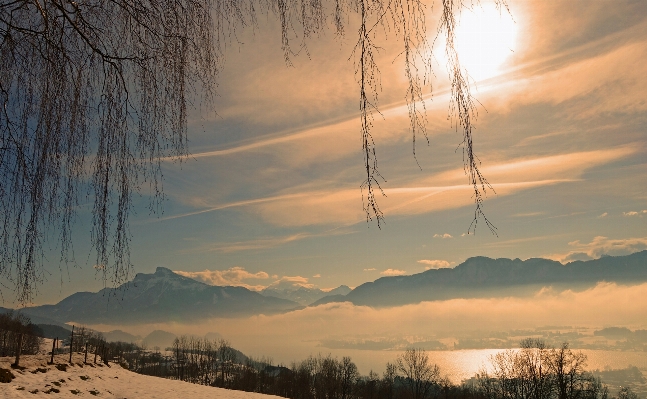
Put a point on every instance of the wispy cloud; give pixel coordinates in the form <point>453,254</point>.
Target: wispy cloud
<point>429,194</point>
<point>605,214</point>
<point>239,277</point>
<point>555,167</point>
<point>635,213</point>
<point>263,243</point>
<point>446,235</point>
<point>434,264</point>
<point>516,241</point>
<point>600,246</point>
<point>234,276</point>
<point>371,269</point>
<point>393,272</point>
<point>528,214</point>
<point>234,204</point>
<point>290,282</point>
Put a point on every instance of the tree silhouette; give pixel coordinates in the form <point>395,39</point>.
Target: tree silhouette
<point>95,93</point>
<point>420,376</point>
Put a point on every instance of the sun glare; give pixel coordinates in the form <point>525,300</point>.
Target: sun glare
<point>485,38</point>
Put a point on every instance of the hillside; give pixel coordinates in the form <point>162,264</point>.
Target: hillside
<point>89,380</point>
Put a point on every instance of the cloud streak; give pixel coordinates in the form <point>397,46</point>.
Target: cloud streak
<point>600,246</point>
<point>393,272</point>
<point>434,264</point>
<point>234,276</point>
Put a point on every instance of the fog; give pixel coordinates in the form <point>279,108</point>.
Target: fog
<point>298,334</point>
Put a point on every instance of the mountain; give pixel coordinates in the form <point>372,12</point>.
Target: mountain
<point>160,297</point>
<point>301,295</point>
<point>480,277</point>
<point>121,336</point>
<point>159,338</point>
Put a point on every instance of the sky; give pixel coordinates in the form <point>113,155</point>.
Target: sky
<point>271,193</point>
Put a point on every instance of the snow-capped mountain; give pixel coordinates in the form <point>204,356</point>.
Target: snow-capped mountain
<point>160,297</point>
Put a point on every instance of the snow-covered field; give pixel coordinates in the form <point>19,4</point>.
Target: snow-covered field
<point>89,380</point>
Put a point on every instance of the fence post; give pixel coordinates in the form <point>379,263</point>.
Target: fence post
<point>86,352</point>
<point>18,351</point>
<point>53,347</point>
<point>71,343</point>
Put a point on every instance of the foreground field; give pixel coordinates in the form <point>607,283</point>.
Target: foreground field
<point>89,380</point>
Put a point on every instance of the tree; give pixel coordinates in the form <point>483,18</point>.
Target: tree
<point>95,94</point>
<point>420,376</point>
<point>537,372</point>
<point>568,369</point>
<point>626,393</point>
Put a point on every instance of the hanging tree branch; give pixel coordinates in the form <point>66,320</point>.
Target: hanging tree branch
<point>95,93</point>
<point>463,112</point>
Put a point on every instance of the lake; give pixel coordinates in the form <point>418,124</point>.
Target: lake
<point>462,364</point>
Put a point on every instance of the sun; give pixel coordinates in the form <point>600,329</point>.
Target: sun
<point>485,39</point>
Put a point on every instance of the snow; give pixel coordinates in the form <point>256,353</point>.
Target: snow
<point>99,381</point>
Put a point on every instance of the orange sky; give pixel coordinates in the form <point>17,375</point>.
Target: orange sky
<point>273,190</point>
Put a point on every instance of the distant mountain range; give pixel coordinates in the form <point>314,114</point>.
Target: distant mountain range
<point>160,297</point>
<point>480,277</point>
<point>304,295</point>
<point>165,296</point>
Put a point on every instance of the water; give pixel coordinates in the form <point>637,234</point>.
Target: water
<point>463,364</point>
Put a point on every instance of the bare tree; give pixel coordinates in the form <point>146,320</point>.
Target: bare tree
<point>535,371</point>
<point>420,376</point>
<point>568,368</point>
<point>95,93</point>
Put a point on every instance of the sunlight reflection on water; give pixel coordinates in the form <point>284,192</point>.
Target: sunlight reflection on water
<point>463,364</point>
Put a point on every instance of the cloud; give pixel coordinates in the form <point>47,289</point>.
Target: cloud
<point>528,214</point>
<point>393,272</point>
<point>599,84</point>
<point>569,166</point>
<point>371,269</point>
<point>605,214</point>
<point>263,243</point>
<point>298,334</point>
<point>600,246</point>
<point>434,264</point>
<point>341,205</point>
<point>291,282</point>
<point>446,235</point>
<point>233,276</point>
<point>635,213</point>
<point>316,275</point>
<point>435,193</point>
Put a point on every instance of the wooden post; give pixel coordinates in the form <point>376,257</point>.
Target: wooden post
<point>86,352</point>
<point>53,347</point>
<point>18,351</point>
<point>71,343</point>
<point>96,350</point>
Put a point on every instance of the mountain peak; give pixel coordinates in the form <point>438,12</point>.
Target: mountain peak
<point>163,271</point>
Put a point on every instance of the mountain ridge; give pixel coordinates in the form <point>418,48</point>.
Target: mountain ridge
<point>166,296</point>
<point>482,277</point>
<point>160,296</point>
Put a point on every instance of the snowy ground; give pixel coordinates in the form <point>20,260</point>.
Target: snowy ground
<point>89,380</point>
